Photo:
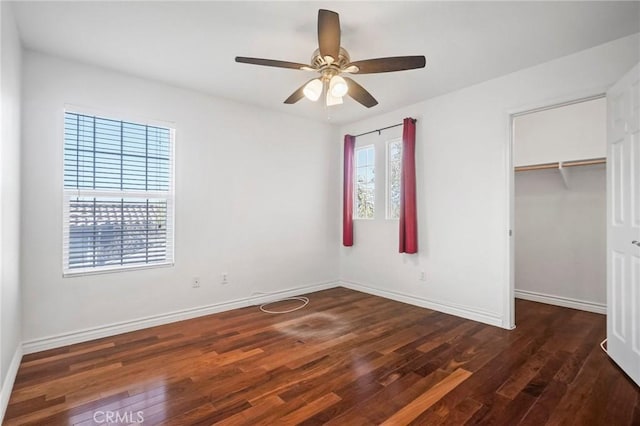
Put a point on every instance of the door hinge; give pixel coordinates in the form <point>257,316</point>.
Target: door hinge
<point>510,232</point>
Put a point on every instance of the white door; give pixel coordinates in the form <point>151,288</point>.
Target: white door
<point>623,228</point>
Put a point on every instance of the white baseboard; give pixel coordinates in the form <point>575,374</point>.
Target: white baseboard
<point>567,302</point>
<point>446,307</point>
<point>9,379</point>
<point>84,335</point>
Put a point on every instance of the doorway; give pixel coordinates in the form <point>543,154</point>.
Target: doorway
<point>558,205</point>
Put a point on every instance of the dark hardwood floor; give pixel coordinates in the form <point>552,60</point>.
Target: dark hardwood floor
<point>346,359</point>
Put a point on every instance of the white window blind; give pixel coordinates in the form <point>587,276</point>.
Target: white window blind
<point>118,194</point>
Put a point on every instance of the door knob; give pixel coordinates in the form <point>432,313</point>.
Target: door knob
<point>637,243</point>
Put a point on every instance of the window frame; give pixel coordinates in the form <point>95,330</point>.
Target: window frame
<point>69,193</point>
<point>355,181</point>
<point>388,176</point>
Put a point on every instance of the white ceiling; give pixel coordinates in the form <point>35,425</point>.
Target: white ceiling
<point>193,44</point>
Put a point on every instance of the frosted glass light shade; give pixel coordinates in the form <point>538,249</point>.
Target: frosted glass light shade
<point>313,90</point>
<point>338,86</point>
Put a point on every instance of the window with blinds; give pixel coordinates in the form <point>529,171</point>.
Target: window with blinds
<point>118,194</point>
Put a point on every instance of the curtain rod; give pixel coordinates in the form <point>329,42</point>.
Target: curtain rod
<point>384,128</point>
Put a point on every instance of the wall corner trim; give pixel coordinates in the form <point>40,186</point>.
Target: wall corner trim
<point>566,302</point>
<point>436,305</point>
<point>84,335</point>
<point>10,378</point>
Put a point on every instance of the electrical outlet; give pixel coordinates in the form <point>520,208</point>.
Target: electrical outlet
<point>225,279</point>
<point>195,283</point>
<point>423,276</point>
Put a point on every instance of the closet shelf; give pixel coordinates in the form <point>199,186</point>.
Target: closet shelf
<point>561,164</point>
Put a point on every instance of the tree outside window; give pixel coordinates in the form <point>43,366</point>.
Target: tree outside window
<point>394,170</point>
<point>365,182</point>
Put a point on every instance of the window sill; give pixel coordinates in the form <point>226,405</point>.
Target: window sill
<point>111,270</point>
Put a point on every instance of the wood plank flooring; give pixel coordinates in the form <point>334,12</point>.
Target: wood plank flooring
<point>346,359</point>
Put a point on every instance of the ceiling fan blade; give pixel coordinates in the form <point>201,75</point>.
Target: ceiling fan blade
<point>297,95</point>
<point>329,33</point>
<point>273,63</point>
<point>397,63</point>
<point>360,94</point>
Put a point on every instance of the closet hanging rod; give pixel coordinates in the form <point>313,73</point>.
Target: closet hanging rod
<point>556,165</point>
<point>537,167</point>
<point>589,162</point>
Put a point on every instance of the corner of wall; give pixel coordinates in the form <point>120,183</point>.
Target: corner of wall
<point>10,147</point>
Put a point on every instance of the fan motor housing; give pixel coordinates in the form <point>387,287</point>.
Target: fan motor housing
<point>320,64</point>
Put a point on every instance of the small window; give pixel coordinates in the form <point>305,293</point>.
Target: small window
<point>118,195</point>
<point>365,182</point>
<point>394,170</point>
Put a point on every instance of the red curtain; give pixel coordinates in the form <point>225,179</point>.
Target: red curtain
<point>408,211</point>
<point>347,192</point>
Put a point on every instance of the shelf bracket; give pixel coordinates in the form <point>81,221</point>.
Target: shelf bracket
<point>564,174</point>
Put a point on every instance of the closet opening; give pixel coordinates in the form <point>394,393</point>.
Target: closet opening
<point>559,205</point>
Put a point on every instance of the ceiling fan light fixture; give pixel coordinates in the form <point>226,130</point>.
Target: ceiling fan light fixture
<point>331,60</point>
<point>338,87</point>
<point>313,89</point>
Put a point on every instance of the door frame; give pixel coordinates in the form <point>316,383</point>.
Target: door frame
<point>509,317</point>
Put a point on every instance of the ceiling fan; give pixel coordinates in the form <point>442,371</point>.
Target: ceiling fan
<point>331,60</point>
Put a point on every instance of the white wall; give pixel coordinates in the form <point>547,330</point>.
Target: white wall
<point>572,132</point>
<point>561,236</point>
<point>10,314</point>
<point>463,195</point>
<point>254,190</point>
